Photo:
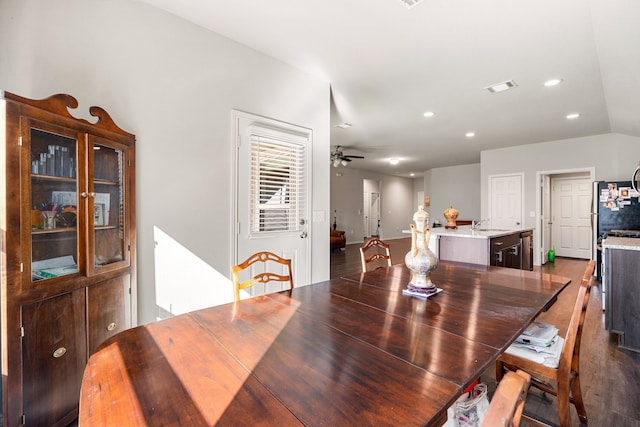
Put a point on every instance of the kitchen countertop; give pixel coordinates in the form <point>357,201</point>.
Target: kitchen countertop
<point>483,233</point>
<point>621,243</point>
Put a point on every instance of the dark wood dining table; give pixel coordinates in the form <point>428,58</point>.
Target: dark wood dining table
<point>348,351</point>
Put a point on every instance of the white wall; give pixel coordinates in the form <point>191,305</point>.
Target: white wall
<point>458,186</point>
<point>613,156</point>
<point>396,199</point>
<point>173,84</point>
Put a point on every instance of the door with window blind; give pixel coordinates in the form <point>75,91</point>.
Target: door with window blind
<point>272,197</point>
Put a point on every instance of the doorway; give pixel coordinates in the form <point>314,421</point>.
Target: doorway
<point>271,197</point>
<point>564,200</point>
<point>371,208</point>
<point>571,217</point>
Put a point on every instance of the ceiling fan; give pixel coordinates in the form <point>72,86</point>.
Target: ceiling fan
<point>338,158</point>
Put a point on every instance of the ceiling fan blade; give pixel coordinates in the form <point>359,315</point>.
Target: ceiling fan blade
<point>354,157</point>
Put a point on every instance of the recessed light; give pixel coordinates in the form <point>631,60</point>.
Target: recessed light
<point>552,82</point>
<point>470,134</point>
<point>344,125</point>
<point>573,116</point>
<point>394,161</point>
<point>429,114</point>
<point>412,174</point>
<point>501,87</point>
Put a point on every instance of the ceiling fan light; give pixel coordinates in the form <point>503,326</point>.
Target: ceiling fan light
<point>336,163</point>
<point>344,162</point>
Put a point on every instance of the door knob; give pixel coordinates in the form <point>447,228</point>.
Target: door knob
<point>303,235</point>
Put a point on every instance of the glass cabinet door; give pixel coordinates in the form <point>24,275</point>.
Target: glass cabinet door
<point>107,203</point>
<point>53,205</point>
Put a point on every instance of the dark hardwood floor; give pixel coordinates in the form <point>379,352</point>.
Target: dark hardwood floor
<point>610,376</point>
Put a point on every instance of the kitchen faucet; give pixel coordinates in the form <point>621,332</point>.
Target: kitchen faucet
<point>475,224</point>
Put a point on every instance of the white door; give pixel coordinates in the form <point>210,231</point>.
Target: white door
<point>366,212</point>
<point>272,197</point>
<point>546,219</point>
<point>374,215</point>
<point>571,213</point>
<point>505,201</point>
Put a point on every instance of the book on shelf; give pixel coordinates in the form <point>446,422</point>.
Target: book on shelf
<point>53,267</point>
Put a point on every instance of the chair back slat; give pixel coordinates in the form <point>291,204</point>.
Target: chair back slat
<point>382,253</point>
<point>265,277</point>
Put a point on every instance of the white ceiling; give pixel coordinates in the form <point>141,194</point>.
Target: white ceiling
<point>388,64</point>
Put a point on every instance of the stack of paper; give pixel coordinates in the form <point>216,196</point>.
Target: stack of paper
<point>538,333</point>
<point>548,356</point>
<point>539,343</point>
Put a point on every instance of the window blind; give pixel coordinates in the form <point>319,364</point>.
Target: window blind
<point>277,185</point>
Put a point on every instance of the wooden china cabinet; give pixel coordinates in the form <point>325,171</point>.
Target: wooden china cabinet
<point>67,220</point>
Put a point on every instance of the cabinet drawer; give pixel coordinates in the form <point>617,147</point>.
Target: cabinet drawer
<point>502,242</point>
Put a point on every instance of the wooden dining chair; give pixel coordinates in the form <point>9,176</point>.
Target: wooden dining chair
<point>264,277</point>
<point>380,251</point>
<point>566,374</point>
<point>508,400</point>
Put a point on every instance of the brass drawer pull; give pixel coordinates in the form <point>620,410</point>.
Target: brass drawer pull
<point>59,352</point>
<point>111,326</point>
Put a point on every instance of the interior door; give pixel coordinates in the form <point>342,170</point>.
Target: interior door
<point>505,201</point>
<point>374,215</point>
<point>366,214</point>
<point>272,193</point>
<point>571,213</point>
<point>546,218</point>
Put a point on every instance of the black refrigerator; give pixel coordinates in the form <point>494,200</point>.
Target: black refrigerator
<point>615,211</point>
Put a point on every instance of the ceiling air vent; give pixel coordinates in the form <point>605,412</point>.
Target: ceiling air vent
<point>501,87</point>
<point>410,3</point>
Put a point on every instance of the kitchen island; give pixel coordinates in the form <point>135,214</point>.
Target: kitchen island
<point>621,281</point>
<point>483,246</point>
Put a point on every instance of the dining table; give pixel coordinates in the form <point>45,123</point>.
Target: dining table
<point>348,351</point>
